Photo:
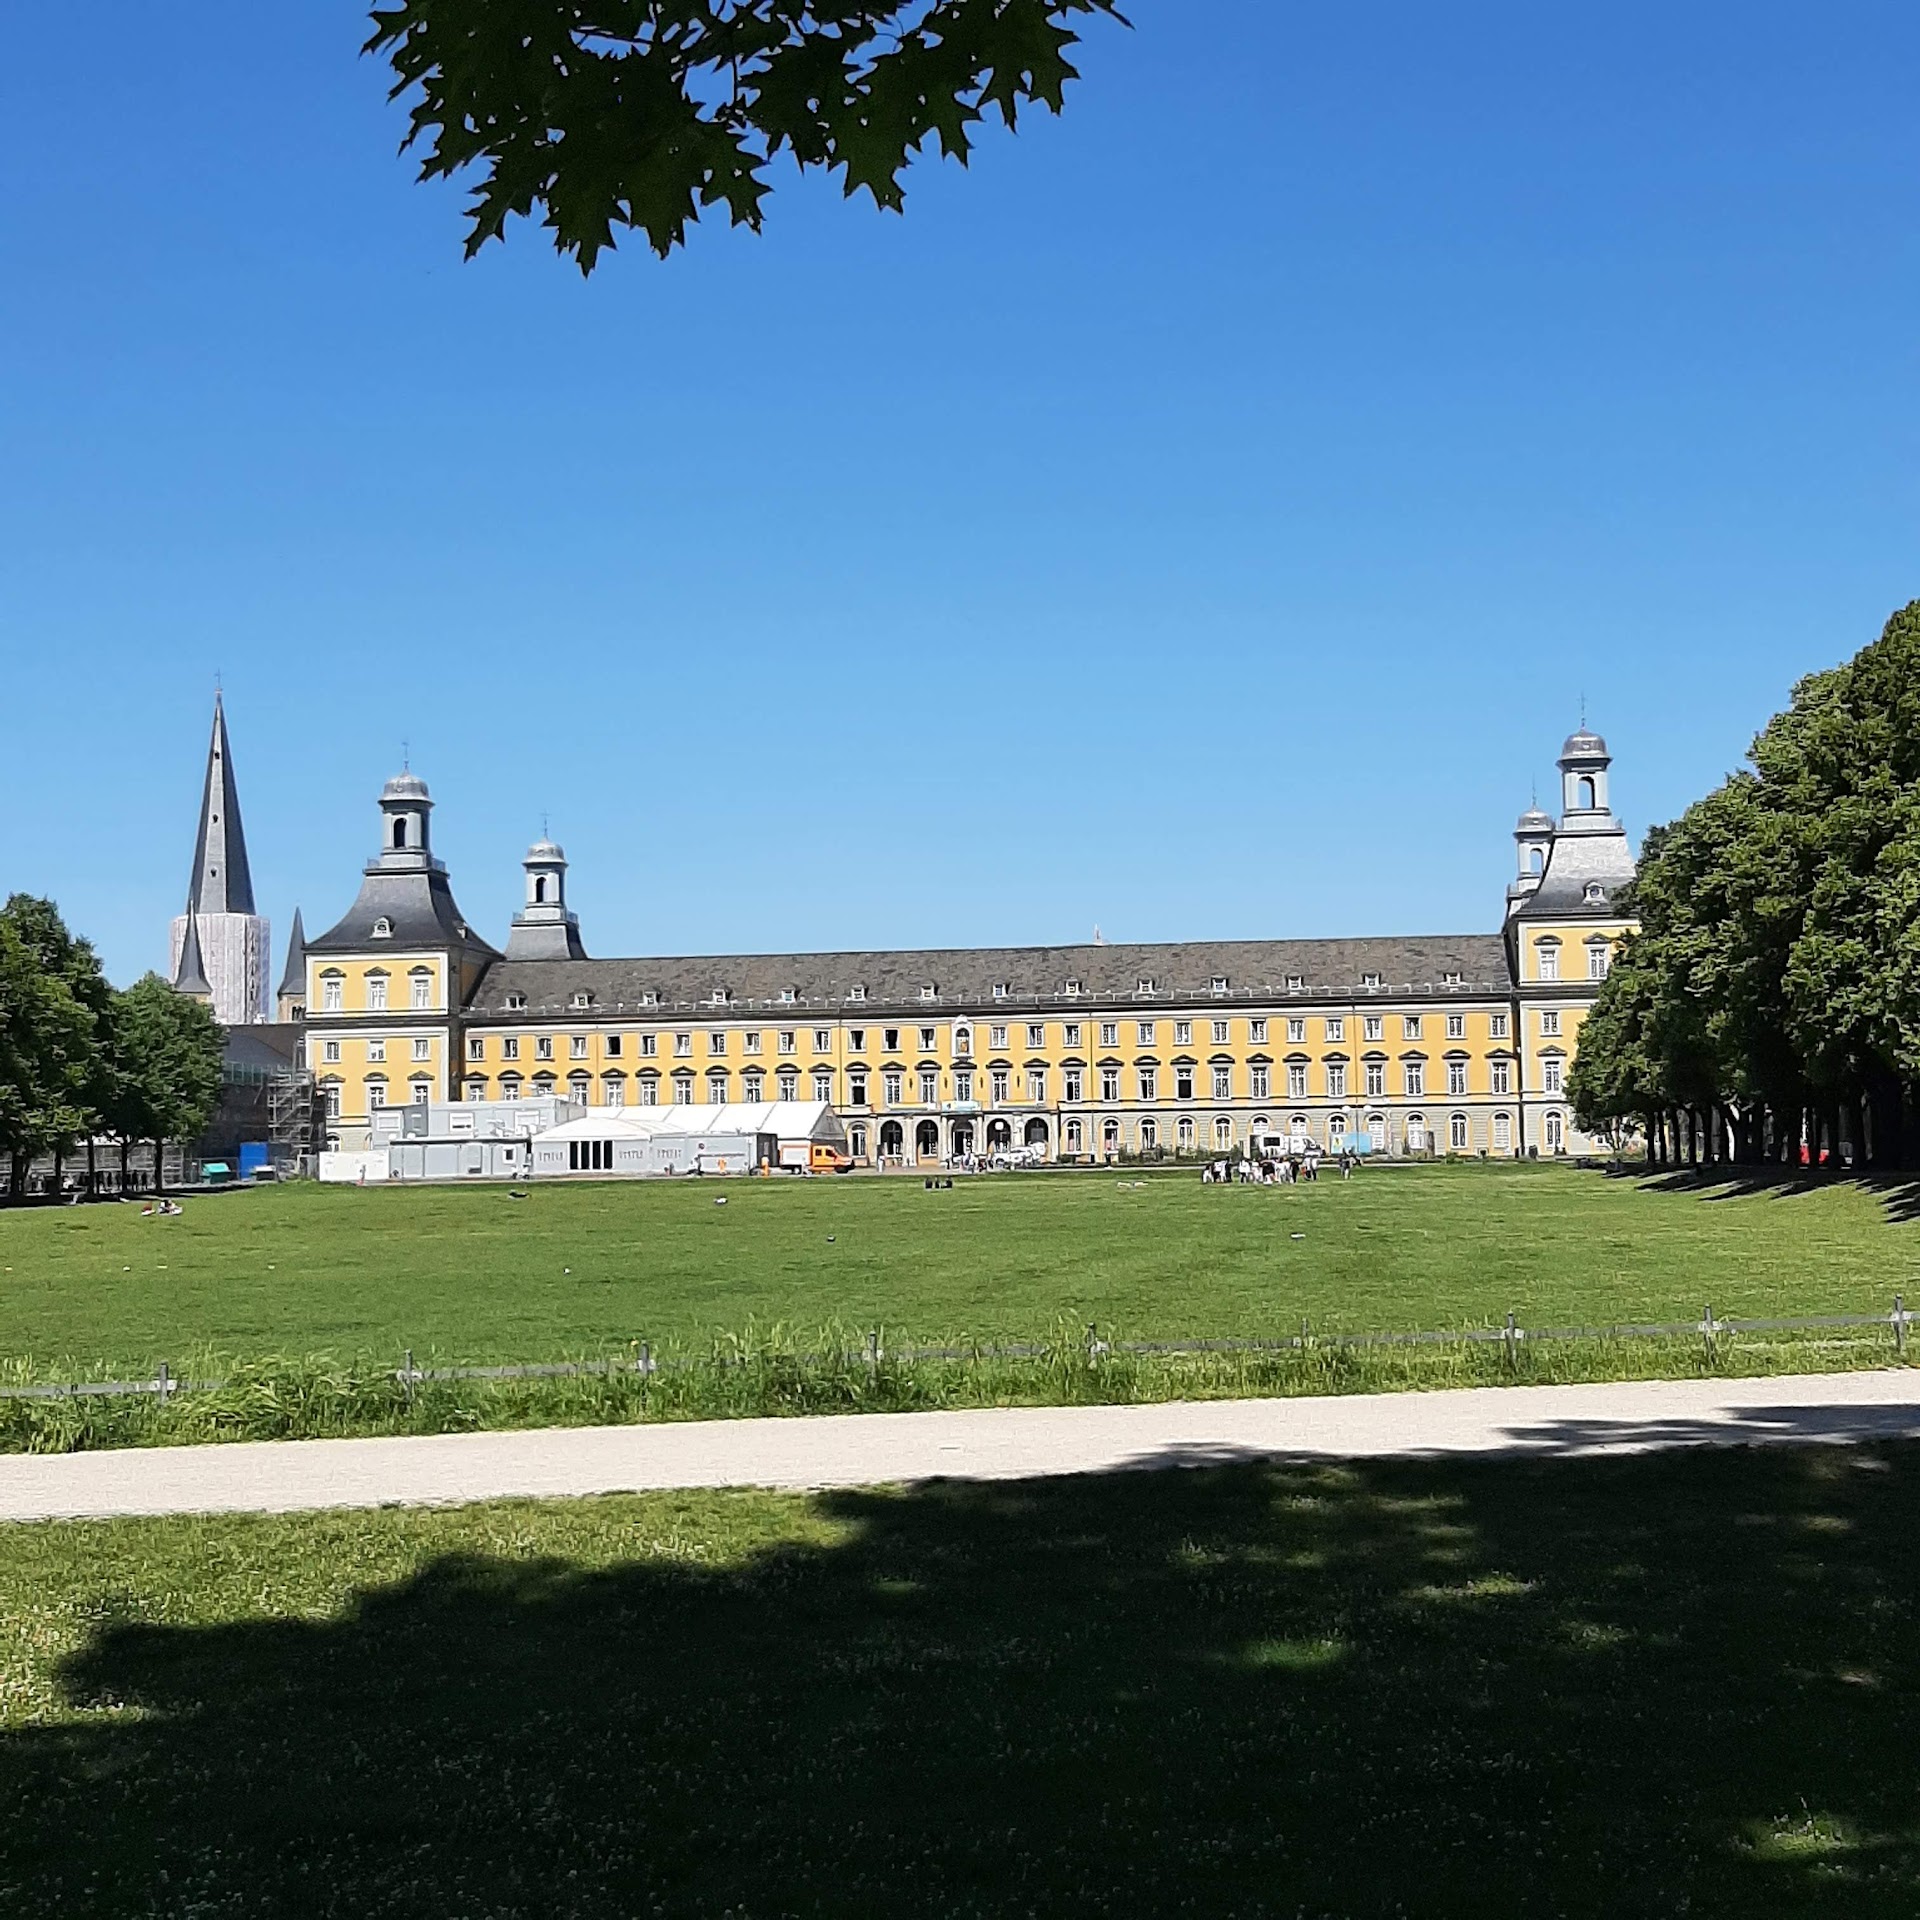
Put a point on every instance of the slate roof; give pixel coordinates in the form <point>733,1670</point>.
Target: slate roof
<point>417,904</point>
<point>964,978</point>
<point>222,881</point>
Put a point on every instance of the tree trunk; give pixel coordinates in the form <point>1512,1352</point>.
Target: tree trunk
<point>159,1167</point>
<point>126,1158</point>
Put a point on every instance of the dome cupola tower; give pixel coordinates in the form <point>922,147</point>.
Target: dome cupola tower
<point>545,928</point>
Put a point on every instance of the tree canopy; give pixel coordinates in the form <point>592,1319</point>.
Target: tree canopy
<point>1772,993</point>
<point>609,114</point>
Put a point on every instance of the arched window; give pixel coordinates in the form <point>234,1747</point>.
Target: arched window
<point>1337,1132</point>
<point>399,831</point>
<point>1185,1133</point>
<point>1583,794</point>
<point>1556,1133</point>
<point>1223,1132</point>
<point>1110,1135</point>
<point>1536,859</point>
<point>1503,1133</point>
<point>539,883</point>
<point>1149,1133</point>
<point>1457,1133</point>
<point>383,928</point>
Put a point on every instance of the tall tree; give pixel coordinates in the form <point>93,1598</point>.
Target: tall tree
<point>166,1053</point>
<point>53,1006</point>
<point>609,114</point>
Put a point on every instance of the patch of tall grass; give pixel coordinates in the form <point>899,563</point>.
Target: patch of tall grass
<point>785,1371</point>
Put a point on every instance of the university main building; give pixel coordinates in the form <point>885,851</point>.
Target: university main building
<point>1432,1044</point>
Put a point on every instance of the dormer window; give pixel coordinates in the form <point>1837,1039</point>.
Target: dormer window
<point>1596,894</point>
<point>1296,982</point>
<point>1074,989</point>
<point>649,997</point>
<point>857,991</point>
<point>999,989</point>
<point>788,995</point>
<point>1144,984</point>
<point>383,928</point>
<point>1452,980</point>
<point>582,1000</point>
<point>1219,983</point>
<point>516,1003</point>
<point>930,992</point>
<point>720,997</point>
<point>1369,979</point>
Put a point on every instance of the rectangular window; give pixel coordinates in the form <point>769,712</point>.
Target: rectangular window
<point>1296,1032</point>
<point>1070,1033</point>
<point>890,1039</point>
<point>376,1049</point>
<point>376,1096</point>
<point>1500,1077</point>
<point>649,1045</point>
<point>1496,1026</point>
<point>999,1086</point>
<point>1296,1082</point>
<point>1145,1030</point>
<point>423,1049</point>
<point>789,1083</point>
<point>1257,1032</point>
<point>787,1041</point>
<point>1376,1079</point>
<point>1071,1077</point>
<point>1223,1083</point>
<point>928,1037</point>
<point>962,1083</point>
<point>683,1046</point>
<point>1336,1082</point>
<point>1109,1033</point>
<point>510,1047</point>
<point>613,1046</point>
<point>1373,1028</point>
<point>649,1093</point>
<point>1550,1022</point>
<point>1336,1030</point>
<point>716,1042</point>
<point>1109,1083</point>
<point>1456,1077</point>
<point>1597,957</point>
<point>823,1039</point>
<point>857,1089</point>
<point>377,994</point>
<point>543,1047</point>
<point>929,1087</point>
<point>1037,1033</point>
<point>422,986</point>
<point>856,1039</point>
<point>577,1047</point>
<point>330,1052</point>
<point>1036,1087</point>
<point>683,1089</point>
<point>1456,1026</point>
<point>1146,1083</point>
<point>1259,1082</point>
<point>1410,1026</point>
<point>750,1043</point>
<point>1222,1032</point>
<point>330,994</point>
<point>891,1082</point>
<point>1416,1079</point>
<point>1183,1083</point>
<point>1183,1033</point>
<point>823,1083</point>
<point>1550,1074</point>
<point>997,1038</point>
<point>1549,961</point>
<point>754,1086</point>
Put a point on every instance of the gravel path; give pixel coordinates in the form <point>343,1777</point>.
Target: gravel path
<point>1006,1443</point>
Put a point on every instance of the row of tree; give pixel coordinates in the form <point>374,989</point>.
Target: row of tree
<point>81,1062</point>
<point>1769,1005</point>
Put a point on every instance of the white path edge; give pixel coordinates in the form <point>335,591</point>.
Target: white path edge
<point>1006,1443</point>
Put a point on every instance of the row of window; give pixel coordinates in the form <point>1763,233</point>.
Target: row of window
<point>998,1086</point>
<point>1146,1033</point>
<point>1546,952</point>
<point>1297,1135</point>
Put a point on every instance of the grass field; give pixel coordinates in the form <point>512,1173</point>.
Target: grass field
<point>470,1275</point>
<point>1677,1684</point>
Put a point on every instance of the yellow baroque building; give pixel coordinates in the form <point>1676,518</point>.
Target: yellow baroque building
<point>1448,1044</point>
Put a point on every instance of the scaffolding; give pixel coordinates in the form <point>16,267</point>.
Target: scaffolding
<point>293,1123</point>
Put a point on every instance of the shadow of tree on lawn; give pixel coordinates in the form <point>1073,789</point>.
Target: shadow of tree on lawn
<point>1899,1193</point>
<point>1639,1686</point>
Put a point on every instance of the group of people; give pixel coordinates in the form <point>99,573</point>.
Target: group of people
<point>1283,1170</point>
<point>161,1209</point>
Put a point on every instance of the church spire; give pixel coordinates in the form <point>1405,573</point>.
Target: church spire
<point>222,881</point>
<point>190,976</point>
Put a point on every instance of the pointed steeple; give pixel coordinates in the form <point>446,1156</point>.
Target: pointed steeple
<point>190,976</point>
<point>222,881</point>
<point>294,979</point>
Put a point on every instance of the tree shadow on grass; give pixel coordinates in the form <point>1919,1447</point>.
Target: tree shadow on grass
<point>1644,1686</point>
<point>1899,1193</point>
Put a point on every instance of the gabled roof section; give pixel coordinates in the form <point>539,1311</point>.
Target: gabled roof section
<point>1577,862</point>
<point>190,977</point>
<point>416,908</point>
<point>294,979</point>
<point>222,881</point>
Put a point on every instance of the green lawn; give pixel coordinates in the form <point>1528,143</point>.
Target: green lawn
<point>1676,1684</point>
<point>470,1274</point>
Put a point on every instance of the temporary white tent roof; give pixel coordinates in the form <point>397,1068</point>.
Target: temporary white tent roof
<point>785,1119</point>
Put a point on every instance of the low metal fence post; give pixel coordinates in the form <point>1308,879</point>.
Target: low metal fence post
<point>1900,1326</point>
<point>1707,1331</point>
<point>1510,1340</point>
<point>163,1383</point>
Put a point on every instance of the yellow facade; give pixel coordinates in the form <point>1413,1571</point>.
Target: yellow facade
<point>1082,1052</point>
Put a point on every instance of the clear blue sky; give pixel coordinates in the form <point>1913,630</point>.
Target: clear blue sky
<point>1201,518</point>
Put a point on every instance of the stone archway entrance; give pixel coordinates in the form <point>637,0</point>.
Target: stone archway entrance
<point>1036,1133</point>
<point>893,1139</point>
<point>962,1138</point>
<point>999,1136</point>
<point>926,1140</point>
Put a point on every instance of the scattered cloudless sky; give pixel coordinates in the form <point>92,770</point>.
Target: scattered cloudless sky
<point>1203,517</point>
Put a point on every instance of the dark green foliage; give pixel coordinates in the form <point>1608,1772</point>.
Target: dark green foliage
<point>1772,994</point>
<point>604,114</point>
<point>1678,1684</point>
<point>166,1058</point>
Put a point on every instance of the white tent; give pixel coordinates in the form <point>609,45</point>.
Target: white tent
<point>733,1138</point>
